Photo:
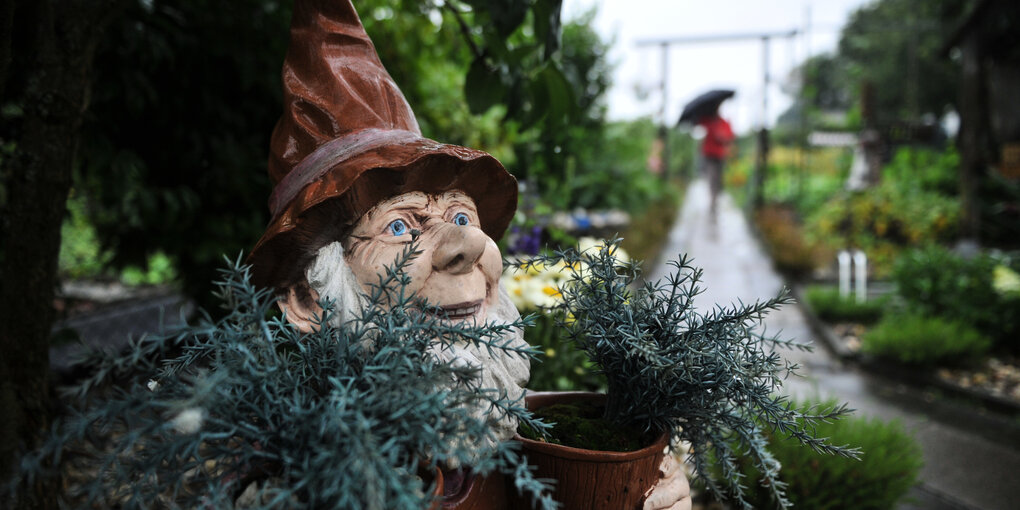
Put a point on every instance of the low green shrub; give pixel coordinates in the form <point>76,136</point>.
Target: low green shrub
<point>887,469</point>
<point>920,340</point>
<point>831,307</point>
<point>934,281</point>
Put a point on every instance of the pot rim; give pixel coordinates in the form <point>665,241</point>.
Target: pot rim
<point>569,452</point>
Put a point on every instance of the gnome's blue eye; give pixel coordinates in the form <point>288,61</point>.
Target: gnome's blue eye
<point>461,219</point>
<point>397,227</point>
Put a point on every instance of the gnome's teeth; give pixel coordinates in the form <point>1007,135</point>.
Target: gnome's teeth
<point>456,311</point>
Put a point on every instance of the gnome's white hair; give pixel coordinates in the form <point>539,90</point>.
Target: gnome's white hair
<point>332,278</point>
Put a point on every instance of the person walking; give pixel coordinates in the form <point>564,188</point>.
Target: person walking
<point>715,148</point>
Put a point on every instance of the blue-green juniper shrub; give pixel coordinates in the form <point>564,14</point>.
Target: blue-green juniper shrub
<point>708,377</point>
<point>346,417</point>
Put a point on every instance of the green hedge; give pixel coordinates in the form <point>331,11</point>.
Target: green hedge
<point>831,307</point>
<point>934,281</point>
<point>887,469</point>
<point>920,340</point>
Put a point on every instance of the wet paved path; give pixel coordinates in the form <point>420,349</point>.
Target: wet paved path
<point>972,460</point>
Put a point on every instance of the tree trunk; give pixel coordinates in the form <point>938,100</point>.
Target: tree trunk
<point>55,42</point>
<point>971,138</point>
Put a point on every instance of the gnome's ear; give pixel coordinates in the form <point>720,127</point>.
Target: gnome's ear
<point>300,304</point>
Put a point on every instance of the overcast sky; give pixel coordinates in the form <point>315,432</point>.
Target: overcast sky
<point>694,68</point>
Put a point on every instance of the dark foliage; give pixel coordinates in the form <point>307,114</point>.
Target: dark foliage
<point>174,149</point>
<point>896,46</point>
<point>344,417</point>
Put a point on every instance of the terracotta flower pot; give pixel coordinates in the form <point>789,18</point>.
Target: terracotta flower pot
<point>479,493</point>
<point>590,479</point>
<point>437,491</point>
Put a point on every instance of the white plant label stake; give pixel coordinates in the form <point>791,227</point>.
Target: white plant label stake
<point>861,270</point>
<point>844,274</point>
<point>860,274</point>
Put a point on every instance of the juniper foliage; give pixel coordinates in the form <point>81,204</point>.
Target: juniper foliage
<point>346,417</point>
<point>708,377</point>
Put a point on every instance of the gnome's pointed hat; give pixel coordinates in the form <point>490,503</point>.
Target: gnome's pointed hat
<point>348,139</point>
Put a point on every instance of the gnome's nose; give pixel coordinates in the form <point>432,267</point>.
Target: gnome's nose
<point>457,248</point>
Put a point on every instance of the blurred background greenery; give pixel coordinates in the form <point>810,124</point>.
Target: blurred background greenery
<point>171,171</point>
<point>170,174</point>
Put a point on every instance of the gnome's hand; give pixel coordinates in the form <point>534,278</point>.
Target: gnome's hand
<point>672,491</point>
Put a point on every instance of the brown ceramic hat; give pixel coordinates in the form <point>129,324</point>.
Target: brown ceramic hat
<point>348,139</point>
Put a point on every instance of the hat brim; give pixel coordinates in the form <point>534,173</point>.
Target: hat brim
<point>352,187</point>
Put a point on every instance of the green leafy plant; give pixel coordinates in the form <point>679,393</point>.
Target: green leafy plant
<point>831,307</point>
<point>159,270</point>
<point>884,221</point>
<point>920,340</point>
<point>788,181</point>
<point>345,417</point>
<point>707,378</point>
<point>80,254</point>
<point>926,169</point>
<point>879,480</point>
<point>934,281</point>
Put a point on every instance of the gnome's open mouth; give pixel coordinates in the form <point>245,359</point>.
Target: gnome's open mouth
<point>457,311</point>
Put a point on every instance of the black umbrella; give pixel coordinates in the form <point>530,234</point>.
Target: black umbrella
<point>704,105</point>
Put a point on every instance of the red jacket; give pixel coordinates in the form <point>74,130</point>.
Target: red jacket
<point>718,137</point>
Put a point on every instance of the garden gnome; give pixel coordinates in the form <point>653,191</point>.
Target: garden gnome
<point>355,182</point>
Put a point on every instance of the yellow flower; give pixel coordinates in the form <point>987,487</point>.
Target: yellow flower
<point>1005,280</point>
<point>592,246</point>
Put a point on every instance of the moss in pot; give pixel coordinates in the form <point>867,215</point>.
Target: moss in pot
<point>710,379</point>
<point>581,424</point>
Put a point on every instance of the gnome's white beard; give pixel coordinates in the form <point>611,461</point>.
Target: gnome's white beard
<point>331,277</point>
<point>502,371</point>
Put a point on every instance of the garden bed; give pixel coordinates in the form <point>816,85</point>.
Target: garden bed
<point>994,381</point>
<point>995,376</point>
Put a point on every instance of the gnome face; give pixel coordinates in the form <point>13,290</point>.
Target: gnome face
<point>347,141</point>
<point>457,271</point>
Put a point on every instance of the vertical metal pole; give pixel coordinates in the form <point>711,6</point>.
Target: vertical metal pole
<point>664,126</point>
<point>765,86</point>
<point>761,164</point>
<point>804,159</point>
